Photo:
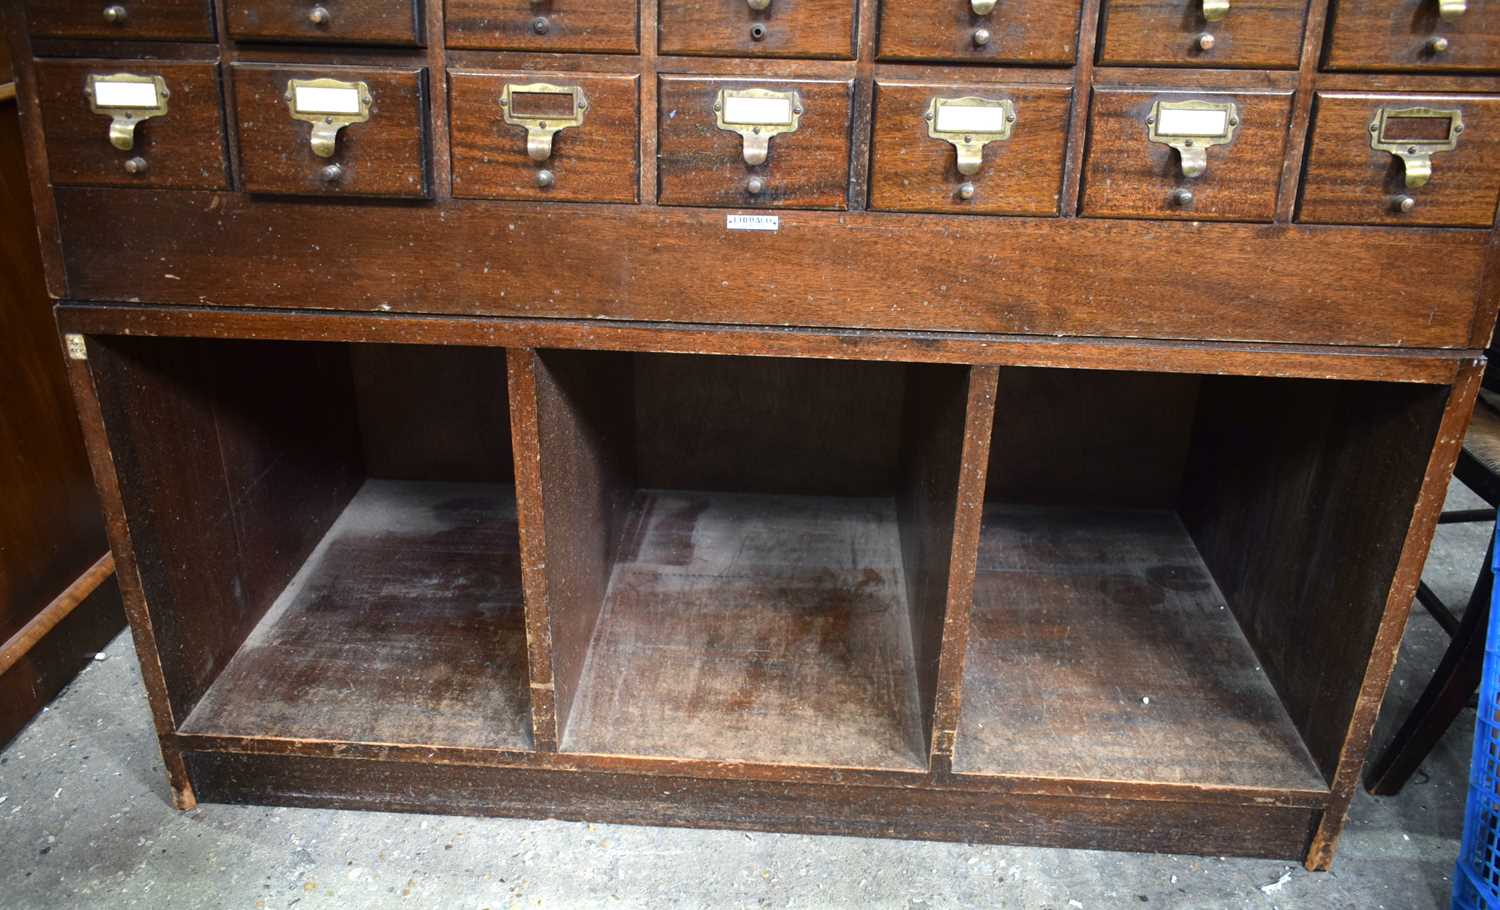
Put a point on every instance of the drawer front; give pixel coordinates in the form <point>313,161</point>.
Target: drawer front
<point>1253,33</point>
<point>1414,35</point>
<point>385,155</point>
<point>1132,173</point>
<point>127,20</point>
<point>182,147</point>
<point>576,26</point>
<point>596,160</point>
<point>1011,31</point>
<point>698,163</point>
<point>331,21</point>
<point>735,28</point>
<point>914,171</point>
<point>1348,181</point>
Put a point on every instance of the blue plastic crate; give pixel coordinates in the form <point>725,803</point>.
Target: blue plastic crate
<point>1476,880</point>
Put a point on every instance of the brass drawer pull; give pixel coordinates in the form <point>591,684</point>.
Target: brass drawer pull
<point>566,109</point>
<point>1452,9</point>
<point>1192,128</point>
<point>329,105</point>
<point>1415,134</point>
<point>757,114</point>
<point>969,124</point>
<point>1214,10</point>
<point>127,100</point>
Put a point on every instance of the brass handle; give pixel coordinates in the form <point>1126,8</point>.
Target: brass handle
<point>1452,9</point>
<point>759,5</point>
<point>1214,10</point>
<point>982,7</point>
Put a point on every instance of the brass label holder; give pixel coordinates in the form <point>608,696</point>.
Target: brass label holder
<point>128,100</point>
<point>329,105</point>
<point>757,114</point>
<point>541,128</point>
<point>1415,154</point>
<point>1192,128</point>
<point>969,124</point>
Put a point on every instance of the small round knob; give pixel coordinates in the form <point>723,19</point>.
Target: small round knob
<point>757,32</point>
<point>755,186</point>
<point>319,16</point>
<point>545,178</point>
<point>1437,44</point>
<point>1403,203</point>
<point>1206,42</point>
<point>332,173</point>
<point>115,14</point>
<point>981,37</point>
<point>966,190</point>
<point>136,165</point>
<point>1182,198</point>
<point>540,25</point>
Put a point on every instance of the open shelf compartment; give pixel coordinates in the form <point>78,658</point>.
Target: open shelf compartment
<point>741,560</point>
<point>1180,577</point>
<point>328,542</point>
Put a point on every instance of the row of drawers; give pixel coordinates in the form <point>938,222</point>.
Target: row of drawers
<point>1452,35</point>
<point>973,147</point>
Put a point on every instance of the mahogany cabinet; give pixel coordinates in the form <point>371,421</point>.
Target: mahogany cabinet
<point>1017,422</point>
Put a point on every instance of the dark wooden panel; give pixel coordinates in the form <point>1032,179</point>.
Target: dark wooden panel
<point>752,627</point>
<point>585,426</point>
<point>1021,31</point>
<point>551,26</point>
<point>1133,669</point>
<point>404,626</point>
<point>384,156</point>
<point>1128,176</point>
<point>1298,495</point>
<point>1080,277</point>
<point>598,161</point>
<point>912,172</point>
<point>165,20</point>
<point>700,164</point>
<point>1394,35</point>
<point>1121,824</point>
<point>1255,33</point>
<point>762,425</point>
<point>1347,182</point>
<point>340,22</point>
<point>730,28</point>
<point>1100,438</point>
<point>183,149</point>
<point>433,413</point>
<point>50,527</point>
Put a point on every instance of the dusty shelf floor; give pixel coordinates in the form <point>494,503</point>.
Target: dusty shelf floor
<point>85,818</point>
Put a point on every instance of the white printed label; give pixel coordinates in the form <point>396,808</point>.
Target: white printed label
<point>758,111</point>
<point>962,118</point>
<point>1191,123</point>
<point>125,94</point>
<point>753,222</point>
<point>318,100</point>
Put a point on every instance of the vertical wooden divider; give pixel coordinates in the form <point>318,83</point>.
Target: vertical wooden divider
<point>949,419</point>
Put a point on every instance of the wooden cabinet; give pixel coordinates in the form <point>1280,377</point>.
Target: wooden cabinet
<point>895,372</point>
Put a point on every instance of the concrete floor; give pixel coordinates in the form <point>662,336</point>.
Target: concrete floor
<point>85,822</point>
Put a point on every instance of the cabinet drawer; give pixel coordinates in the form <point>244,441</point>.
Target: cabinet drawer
<point>127,20</point>
<point>699,163</point>
<point>577,26</point>
<point>1348,180</point>
<point>1144,147</point>
<point>332,21</point>
<point>914,170</point>
<point>371,144</point>
<point>179,144</point>
<point>783,28</point>
<point>594,158</point>
<point>1011,31</point>
<point>1251,33</point>
<point>1414,35</point>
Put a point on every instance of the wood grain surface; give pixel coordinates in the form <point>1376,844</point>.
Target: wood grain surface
<point>1256,33</point>
<point>1030,32</point>
<point>730,28</point>
<point>1393,36</point>
<point>384,156</point>
<point>1128,176</point>
<point>348,21</point>
<point>913,172</point>
<point>596,162</point>
<point>1347,182</point>
<point>183,149</point>
<point>145,20</point>
<point>700,164</point>
<point>572,26</point>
